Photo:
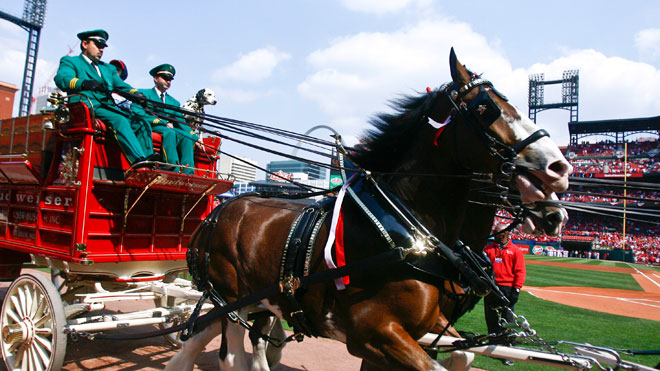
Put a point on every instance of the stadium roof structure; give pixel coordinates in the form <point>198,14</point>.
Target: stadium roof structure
<point>618,129</point>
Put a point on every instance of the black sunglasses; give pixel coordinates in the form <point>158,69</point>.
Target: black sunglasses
<point>166,77</point>
<point>99,44</point>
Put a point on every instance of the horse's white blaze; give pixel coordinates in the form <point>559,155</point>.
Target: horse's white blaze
<point>539,156</point>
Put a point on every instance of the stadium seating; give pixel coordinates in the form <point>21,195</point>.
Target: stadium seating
<point>605,160</point>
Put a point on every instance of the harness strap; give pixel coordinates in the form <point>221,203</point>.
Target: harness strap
<point>529,140</point>
<point>385,258</point>
<point>296,259</point>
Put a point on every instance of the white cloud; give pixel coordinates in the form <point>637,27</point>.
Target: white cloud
<point>610,87</point>
<point>355,76</point>
<point>648,44</point>
<point>12,60</point>
<point>379,6</point>
<point>254,66</point>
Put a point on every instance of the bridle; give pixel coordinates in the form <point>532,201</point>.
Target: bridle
<point>479,115</point>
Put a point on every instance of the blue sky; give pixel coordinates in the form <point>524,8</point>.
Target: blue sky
<point>300,63</point>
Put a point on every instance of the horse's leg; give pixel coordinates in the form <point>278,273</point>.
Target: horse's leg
<point>273,353</point>
<point>458,360</point>
<point>264,355</point>
<point>259,360</point>
<point>232,355</point>
<point>391,348</point>
<point>184,360</point>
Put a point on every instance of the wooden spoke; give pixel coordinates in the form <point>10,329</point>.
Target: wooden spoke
<point>44,331</point>
<point>44,342</point>
<point>17,306</point>
<point>12,315</point>
<point>40,322</point>
<point>44,357</point>
<point>20,358</point>
<point>22,301</point>
<point>37,302</point>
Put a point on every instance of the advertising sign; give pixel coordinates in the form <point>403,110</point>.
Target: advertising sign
<point>280,176</point>
<point>537,250</point>
<point>335,180</point>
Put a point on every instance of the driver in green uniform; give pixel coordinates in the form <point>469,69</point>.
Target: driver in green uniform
<point>178,138</point>
<point>87,75</point>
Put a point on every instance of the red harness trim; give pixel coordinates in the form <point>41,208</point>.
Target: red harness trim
<point>339,245</point>
<point>440,128</point>
<point>436,137</point>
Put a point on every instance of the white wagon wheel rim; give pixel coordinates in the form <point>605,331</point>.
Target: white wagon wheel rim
<point>174,338</point>
<point>32,320</point>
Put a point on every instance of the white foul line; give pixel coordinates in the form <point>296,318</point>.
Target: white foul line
<point>630,300</point>
<point>645,276</point>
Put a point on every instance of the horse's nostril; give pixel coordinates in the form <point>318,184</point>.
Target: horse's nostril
<point>555,218</point>
<point>560,167</point>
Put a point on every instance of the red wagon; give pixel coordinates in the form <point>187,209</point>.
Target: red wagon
<point>69,201</point>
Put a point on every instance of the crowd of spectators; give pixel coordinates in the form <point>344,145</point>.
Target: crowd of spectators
<point>613,197</point>
<point>611,149</point>
<point>590,159</point>
<point>594,160</point>
<point>646,165</point>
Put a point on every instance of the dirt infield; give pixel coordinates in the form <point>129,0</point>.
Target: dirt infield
<point>638,304</point>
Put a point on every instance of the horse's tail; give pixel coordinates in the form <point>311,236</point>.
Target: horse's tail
<point>200,245</point>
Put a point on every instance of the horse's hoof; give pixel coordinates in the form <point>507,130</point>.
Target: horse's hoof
<point>458,361</point>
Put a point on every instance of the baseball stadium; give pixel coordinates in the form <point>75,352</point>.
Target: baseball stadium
<point>455,234</point>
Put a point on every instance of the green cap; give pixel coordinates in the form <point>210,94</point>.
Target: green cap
<point>166,69</point>
<point>100,36</point>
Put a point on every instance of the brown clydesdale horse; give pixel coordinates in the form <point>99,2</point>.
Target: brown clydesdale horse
<point>382,312</point>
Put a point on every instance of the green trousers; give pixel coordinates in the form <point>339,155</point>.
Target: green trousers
<point>135,144</point>
<point>178,146</point>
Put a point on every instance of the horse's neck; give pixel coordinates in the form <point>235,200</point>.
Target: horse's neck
<point>439,203</point>
<point>477,226</point>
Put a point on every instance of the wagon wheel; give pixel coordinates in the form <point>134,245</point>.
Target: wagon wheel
<point>59,280</point>
<point>32,322</point>
<point>167,302</point>
<point>173,338</point>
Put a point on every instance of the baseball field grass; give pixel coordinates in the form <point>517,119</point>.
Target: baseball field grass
<point>554,321</point>
<point>547,275</point>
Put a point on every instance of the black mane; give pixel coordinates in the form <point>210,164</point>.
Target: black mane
<point>393,134</point>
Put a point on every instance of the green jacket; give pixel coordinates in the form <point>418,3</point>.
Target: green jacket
<point>152,94</point>
<point>74,70</point>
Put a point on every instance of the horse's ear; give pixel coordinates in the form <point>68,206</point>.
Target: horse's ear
<point>459,74</point>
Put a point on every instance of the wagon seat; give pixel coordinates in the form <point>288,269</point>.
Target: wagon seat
<point>204,157</point>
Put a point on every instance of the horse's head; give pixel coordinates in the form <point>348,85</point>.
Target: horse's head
<point>465,127</point>
<point>488,134</point>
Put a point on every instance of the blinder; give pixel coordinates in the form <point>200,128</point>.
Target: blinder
<point>484,109</point>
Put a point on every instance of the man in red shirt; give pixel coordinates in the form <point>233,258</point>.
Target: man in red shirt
<point>509,268</point>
